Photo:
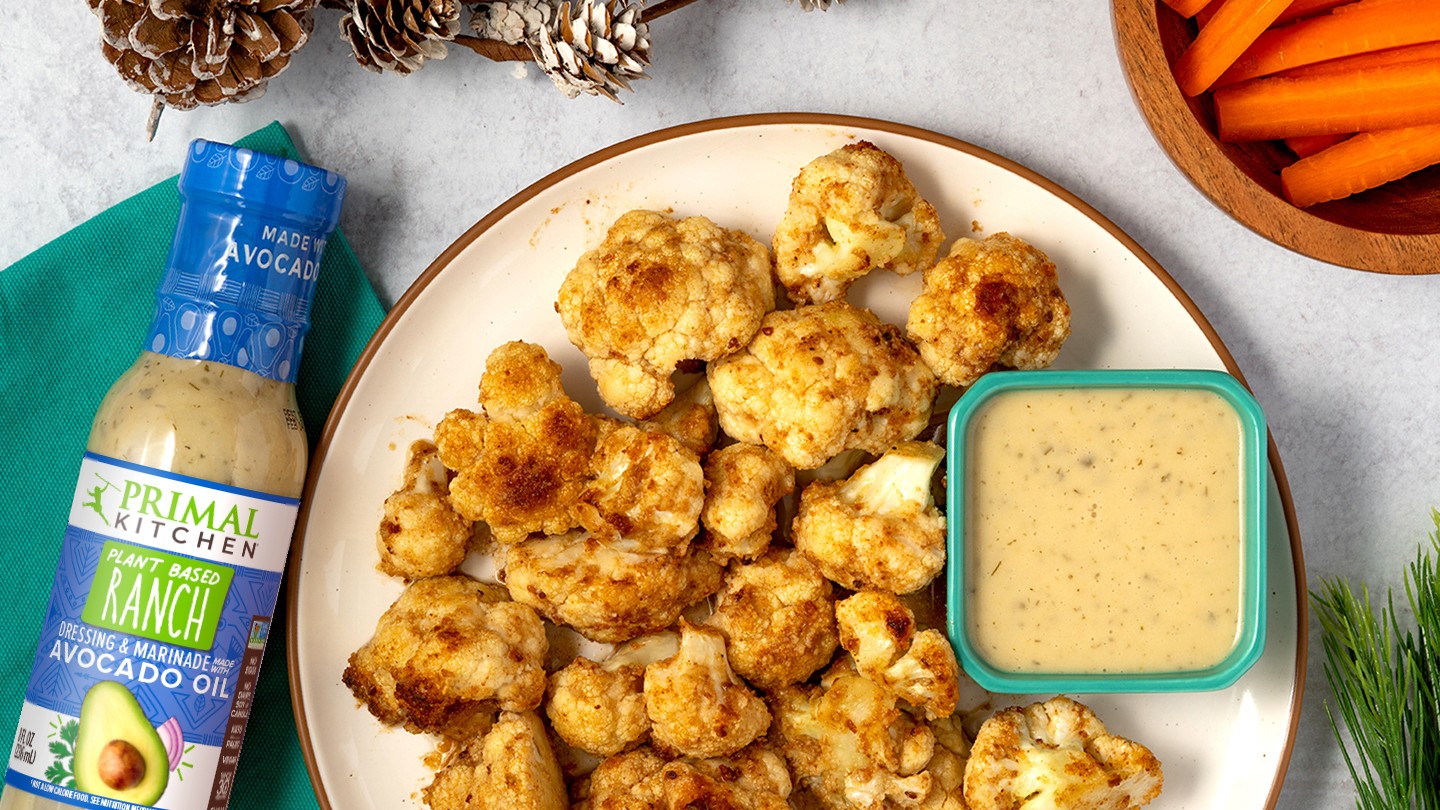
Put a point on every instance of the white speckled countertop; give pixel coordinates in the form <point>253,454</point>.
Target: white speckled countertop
<point>1343,362</point>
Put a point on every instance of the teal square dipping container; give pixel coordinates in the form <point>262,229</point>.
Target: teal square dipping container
<point>1107,531</point>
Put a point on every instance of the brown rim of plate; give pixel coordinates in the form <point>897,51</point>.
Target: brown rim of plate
<point>292,571</point>
<point>1205,161</point>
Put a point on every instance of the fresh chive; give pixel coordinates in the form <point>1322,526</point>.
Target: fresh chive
<point>1385,682</point>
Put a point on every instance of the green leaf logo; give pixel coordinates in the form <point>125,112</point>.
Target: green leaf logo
<point>61,770</point>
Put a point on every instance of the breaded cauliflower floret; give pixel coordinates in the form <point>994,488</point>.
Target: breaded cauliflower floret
<point>659,292</point>
<point>600,707</point>
<point>879,528</point>
<point>822,379</point>
<point>421,534</point>
<point>778,615</point>
<point>447,654</point>
<point>992,303</point>
<point>697,705</point>
<point>878,631</point>
<point>531,460</point>
<point>753,779</point>
<point>646,492</point>
<point>850,746</point>
<point>852,211</point>
<point>1057,754</point>
<point>512,767</point>
<point>689,418</point>
<point>742,484</point>
<point>605,593</point>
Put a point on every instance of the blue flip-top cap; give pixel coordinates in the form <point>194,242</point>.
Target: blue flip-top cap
<point>246,258</point>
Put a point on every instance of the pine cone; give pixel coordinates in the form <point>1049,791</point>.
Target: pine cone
<point>192,52</point>
<point>594,46</point>
<point>399,35</point>
<point>512,21</point>
<point>811,5</point>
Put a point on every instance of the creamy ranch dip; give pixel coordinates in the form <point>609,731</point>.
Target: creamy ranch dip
<point>1104,530</point>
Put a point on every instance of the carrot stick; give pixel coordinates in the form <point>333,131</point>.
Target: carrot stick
<point>1186,8</point>
<point>1309,8</point>
<point>1203,16</point>
<point>1364,61</point>
<point>1379,98</point>
<point>1305,8</point>
<point>1222,40</point>
<point>1360,5</point>
<point>1368,27</point>
<point>1364,161</point>
<point>1306,145</point>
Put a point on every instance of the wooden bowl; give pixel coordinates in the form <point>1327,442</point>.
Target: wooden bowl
<point>1391,229</point>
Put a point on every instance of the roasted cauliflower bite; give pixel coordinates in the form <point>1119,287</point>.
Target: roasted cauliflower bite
<point>1057,754</point>
<point>605,593</point>
<point>645,493</point>
<point>697,705</point>
<point>611,786</point>
<point>527,466</point>
<point>850,212</point>
<point>743,482</point>
<point>421,534</point>
<point>919,666</point>
<point>755,770</point>
<point>689,418</point>
<point>600,707</point>
<point>992,303</point>
<point>519,381</point>
<point>575,763</point>
<point>819,380</point>
<point>947,766</point>
<point>447,654</point>
<point>460,438</point>
<point>512,767</point>
<point>753,779</point>
<point>778,617</point>
<point>849,745</point>
<point>880,528</point>
<point>656,293</point>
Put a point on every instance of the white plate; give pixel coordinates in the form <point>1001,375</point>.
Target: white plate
<point>1223,750</point>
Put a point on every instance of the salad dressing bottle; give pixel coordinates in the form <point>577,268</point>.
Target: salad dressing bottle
<point>181,520</point>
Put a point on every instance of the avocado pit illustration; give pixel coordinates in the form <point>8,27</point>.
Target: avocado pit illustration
<point>118,752</point>
<point>121,765</point>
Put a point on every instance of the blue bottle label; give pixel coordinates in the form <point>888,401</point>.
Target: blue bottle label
<point>151,646</point>
<point>245,301</point>
<point>245,260</point>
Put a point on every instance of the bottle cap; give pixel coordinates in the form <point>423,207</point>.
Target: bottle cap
<point>288,189</point>
<point>245,260</point>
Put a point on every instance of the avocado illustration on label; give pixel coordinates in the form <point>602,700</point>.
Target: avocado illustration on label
<point>118,752</point>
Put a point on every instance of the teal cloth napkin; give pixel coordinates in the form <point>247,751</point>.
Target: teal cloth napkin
<point>73,315</point>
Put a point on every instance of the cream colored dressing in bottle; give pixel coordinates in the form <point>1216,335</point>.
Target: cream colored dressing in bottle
<point>170,568</point>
